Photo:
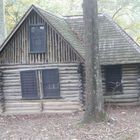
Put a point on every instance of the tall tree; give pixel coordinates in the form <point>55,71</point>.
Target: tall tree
<point>2,21</point>
<point>94,98</point>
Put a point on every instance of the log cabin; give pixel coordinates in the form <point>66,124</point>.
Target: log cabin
<point>42,64</point>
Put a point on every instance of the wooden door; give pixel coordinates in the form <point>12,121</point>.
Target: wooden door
<point>51,85</point>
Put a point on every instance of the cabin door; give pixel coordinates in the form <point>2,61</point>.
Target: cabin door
<point>51,86</point>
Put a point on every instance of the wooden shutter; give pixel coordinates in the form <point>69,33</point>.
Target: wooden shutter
<point>51,85</point>
<point>113,78</point>
<point>37,39</point>
<point>29,84</point>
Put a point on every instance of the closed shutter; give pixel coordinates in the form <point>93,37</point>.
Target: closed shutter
<point>37,39</point>
<point>29,84</point>
<point>51,85</point>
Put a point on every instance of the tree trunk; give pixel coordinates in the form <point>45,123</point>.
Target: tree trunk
<point>2,21</point>
<point>94,98</point>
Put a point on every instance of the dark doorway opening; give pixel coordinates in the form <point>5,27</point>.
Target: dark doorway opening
<point>113,77</point>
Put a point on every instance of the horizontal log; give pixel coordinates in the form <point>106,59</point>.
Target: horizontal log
<point>13,97</point>
<point>12,90</point>
<point>57,102</point>
<point>70,92</point>
<point>70,96</point>
<point>122,96</point>
<point>33,109</point>
<point>20,110</point>
<point>70,85</point>
<point>72,77</point>
<point>51,65</point>
<point>68,81</point>
<point>22,104</point>
<point>130,78</point>
<point>5,73</point>
<point>68,74</point>
<point>130,85</point>
<point>24,112</point>
<point>72,99</point>
<point>70,88</point>
<point>61,108</point>
<point>12,84</point>
<point>130,82</point>
<point>60,111</point>
<point>12,94</point>
<point>132,73</point>
<point>130,88</point>
<point>11,78</point>
<point>131,92</point>
<point>122,100</point>
<point>125,104</point>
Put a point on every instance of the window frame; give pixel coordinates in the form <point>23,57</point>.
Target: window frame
<point>51,97</point>
<point>45,40</point>
<point>36,80</point>
<point>40,87</point>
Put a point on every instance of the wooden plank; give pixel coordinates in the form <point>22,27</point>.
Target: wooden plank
<point>122,96</point>
<point>122,100</point>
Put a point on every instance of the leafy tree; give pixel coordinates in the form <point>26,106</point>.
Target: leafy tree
<point>16,8</point>
<point>124,12</point>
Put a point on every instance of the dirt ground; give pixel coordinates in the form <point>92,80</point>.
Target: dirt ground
<point>124,124</point>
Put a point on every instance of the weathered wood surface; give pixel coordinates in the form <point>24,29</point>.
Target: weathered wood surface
<point>37,106</point>
<point>69,87</point>
<point>130,88</point>
<point>130,75</point>
<point>57,48</point>
<point>1,94</point>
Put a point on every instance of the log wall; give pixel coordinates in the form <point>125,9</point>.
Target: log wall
<point>17,49</point>
<point>1,94</point>
<point>69,89</point>
<point>130,87</point>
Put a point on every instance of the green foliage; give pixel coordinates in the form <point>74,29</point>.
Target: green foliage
<point>124,12</point>
<point>16,8</point>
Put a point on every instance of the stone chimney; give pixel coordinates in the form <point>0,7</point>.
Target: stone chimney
<point>2,21</point>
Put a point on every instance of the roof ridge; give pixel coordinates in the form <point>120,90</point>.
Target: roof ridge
<point>70,16</point>
<point>123,33</point>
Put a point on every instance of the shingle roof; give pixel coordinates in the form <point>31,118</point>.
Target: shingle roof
<point>116,46</point>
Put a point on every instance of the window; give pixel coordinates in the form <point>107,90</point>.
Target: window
<point>37,39</point>
<point>29,85</point>
<point>113,76</point>
<point>51,86</point>
<point>31,89</point>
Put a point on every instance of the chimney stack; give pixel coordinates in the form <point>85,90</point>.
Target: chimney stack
<point>2,22</point>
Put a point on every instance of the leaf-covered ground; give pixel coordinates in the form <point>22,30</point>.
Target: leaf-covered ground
<point>124,124</point>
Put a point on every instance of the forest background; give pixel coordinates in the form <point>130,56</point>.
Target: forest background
<point>124,12</point>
